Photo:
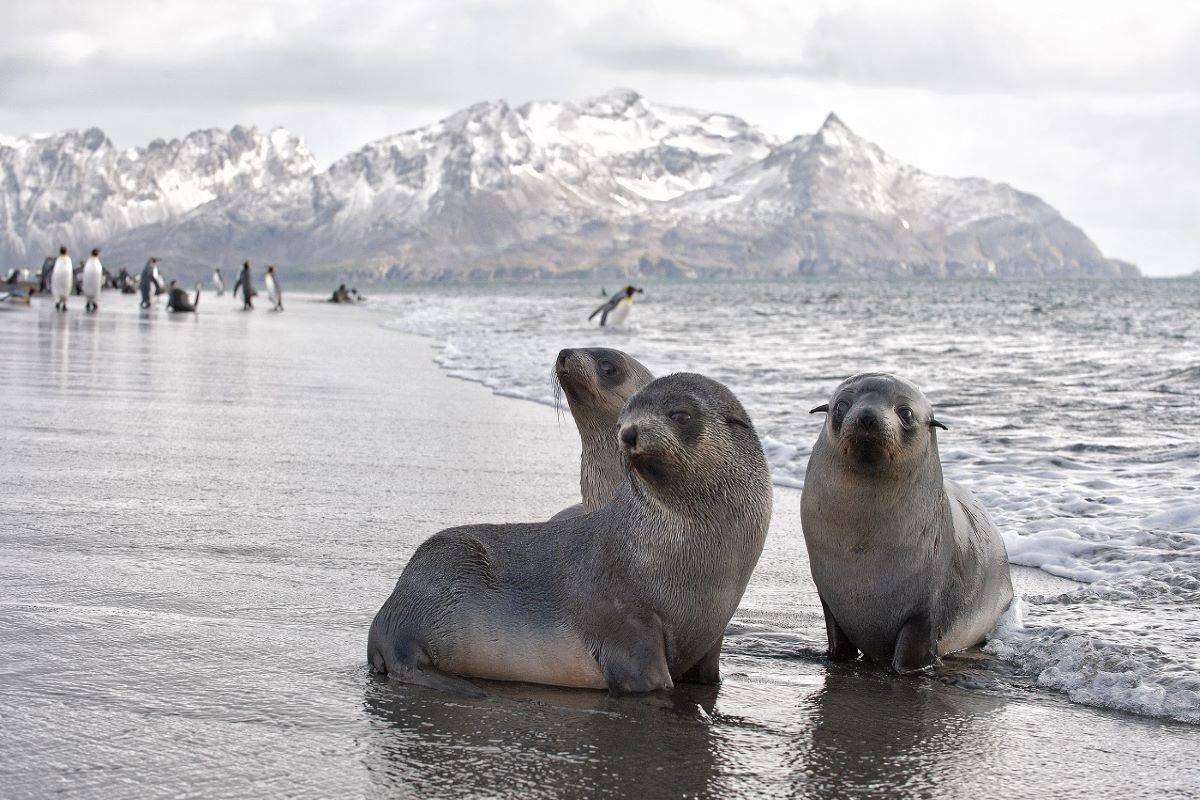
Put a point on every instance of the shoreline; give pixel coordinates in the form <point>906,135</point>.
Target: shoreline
<point>1037,579</point>
<point>206,513</point>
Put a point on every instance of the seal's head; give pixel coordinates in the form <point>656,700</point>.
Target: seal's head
<point>878,424</point>
<point>597,381</point>
<point>688,441</point>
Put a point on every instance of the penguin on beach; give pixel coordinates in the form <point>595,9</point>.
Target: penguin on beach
<point>44,274</point>
<point>93,280</point>
<point>148,280</point>
<point>274,291</point>
<point>61,279</point>
<point>218,283</point>
<point>617,306</point>
<point>244,283</point>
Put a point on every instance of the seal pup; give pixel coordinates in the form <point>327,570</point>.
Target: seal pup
<point>61,279</point>
<point>597,382</point>
<point>908,565</point>
<point>632,597</point>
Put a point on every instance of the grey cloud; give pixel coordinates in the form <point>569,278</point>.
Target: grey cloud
<point>948,50</point>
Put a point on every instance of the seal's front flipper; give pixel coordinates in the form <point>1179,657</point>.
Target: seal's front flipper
<point>633,657</point>
<point>916,647</point>
<point>708,669</point>
<point>840,646</point>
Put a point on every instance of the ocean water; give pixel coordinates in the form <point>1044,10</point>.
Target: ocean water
<point>1071,409</point>
<point>202,514</point>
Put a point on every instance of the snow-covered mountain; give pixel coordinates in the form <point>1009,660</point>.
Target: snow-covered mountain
<point>613,184</point>
<point>76,188</point>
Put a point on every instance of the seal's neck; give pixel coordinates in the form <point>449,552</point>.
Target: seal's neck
<point>601,470</point>
<point>696,563</point>
<point>899,508</point>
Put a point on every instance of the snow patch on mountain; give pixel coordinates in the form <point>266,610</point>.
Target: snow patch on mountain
<point>615,183</point>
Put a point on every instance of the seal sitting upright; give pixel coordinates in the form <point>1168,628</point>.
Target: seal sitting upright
<point>632,597</point>
<point>908,565</point>
<point>597,381</point>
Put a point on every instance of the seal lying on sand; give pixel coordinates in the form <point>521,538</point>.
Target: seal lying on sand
<point>908,565</point>
<point>632,597</point>
<point>597,381</point>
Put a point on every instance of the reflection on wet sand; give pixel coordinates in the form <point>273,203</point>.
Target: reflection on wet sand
<point>539,742</point>
<point>868,727</point>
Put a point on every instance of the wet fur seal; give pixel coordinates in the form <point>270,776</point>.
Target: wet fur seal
<point>908,565</point>
<point>597,381</point>
<point>632,597</point>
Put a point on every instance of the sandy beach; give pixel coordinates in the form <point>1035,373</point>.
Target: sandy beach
<point>202,514</point>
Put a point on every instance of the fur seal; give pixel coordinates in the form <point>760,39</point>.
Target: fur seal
<point>908,565</point>
<point>632,597</point>
<point>597,381</point>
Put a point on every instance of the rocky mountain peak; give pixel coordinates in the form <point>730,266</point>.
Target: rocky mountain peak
<point>612,182</point>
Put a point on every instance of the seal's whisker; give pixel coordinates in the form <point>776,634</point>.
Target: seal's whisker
<point>557,390</point>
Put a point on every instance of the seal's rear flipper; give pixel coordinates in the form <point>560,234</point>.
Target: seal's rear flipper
<point>435,679</point>
<point>411,664</point>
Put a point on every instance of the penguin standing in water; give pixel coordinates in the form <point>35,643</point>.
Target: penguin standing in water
<point>274,291</point>
<point>149,279</point>
<point>178,300</point>
<point>93,279</point>
<point>61,279</point>
<point>218,283</point>
<point>617,306</point>
<point>244,282</point>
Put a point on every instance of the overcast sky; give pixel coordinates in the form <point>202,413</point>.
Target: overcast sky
<point>1093,106</point>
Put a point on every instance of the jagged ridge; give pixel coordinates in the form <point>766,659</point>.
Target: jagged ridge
<point>615,183</point>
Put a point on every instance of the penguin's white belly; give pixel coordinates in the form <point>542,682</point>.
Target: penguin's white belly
<point>91,282</point>
<point>60,282</point>
<point>621,312</point>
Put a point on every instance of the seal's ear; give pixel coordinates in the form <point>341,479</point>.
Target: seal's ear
<point>821,409</point>
<point>933,423</point>
<point>745,423</point>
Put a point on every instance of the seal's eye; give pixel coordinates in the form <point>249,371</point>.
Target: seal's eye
<point>840,409</point>
<point>607,368</point>
<point>906,415</point>
<point>680,417</point>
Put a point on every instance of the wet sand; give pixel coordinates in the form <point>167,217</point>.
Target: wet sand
<point>201,515</point>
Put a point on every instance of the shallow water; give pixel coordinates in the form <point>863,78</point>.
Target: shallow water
<point>202,515</point>
<point>1071,408</point>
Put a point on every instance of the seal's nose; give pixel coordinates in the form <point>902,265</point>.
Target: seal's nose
<point>867,420</point>
<point>563,355</point>
<point>629,435</point>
